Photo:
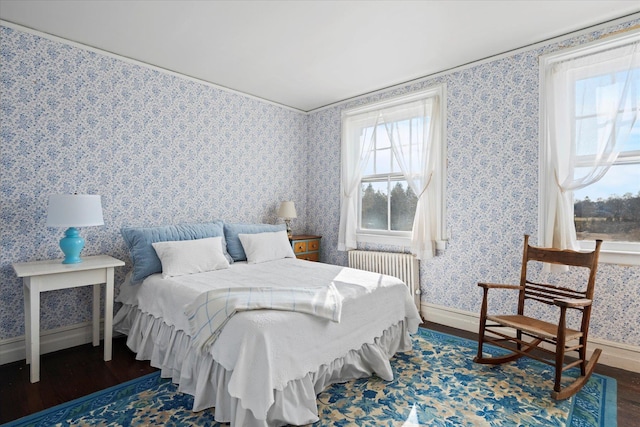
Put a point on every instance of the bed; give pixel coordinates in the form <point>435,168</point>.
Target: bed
<point>265,366</point>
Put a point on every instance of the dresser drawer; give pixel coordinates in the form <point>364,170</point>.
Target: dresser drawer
<point>299,247</point>
<point>313,245</point>
<point>306,246</point>
<point>311,256</point>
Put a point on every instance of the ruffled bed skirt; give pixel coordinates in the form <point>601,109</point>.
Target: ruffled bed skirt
<point>202,377</point>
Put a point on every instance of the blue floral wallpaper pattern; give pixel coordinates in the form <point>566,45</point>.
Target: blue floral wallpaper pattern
<point>159,148</point>
<point>162,149</point>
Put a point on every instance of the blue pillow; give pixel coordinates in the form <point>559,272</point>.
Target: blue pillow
<point>144,257</point>
<point>231,232</point>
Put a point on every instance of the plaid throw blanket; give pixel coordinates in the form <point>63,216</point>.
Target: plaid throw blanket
<point>212,310</point>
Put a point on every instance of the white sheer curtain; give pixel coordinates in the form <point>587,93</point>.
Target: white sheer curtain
<point>579,136</point>
<point>354,159</point>
<point>415,148</point>
<point>413,129</point>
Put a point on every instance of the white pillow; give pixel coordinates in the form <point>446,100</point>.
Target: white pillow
<point>262,247</point>
<point>190,256</point>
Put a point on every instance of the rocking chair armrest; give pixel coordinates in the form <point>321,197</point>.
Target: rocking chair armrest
<point>572,302</point>
<point>498,286</point>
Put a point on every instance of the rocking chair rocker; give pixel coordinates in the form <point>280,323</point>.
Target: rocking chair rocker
<point>561,338</point>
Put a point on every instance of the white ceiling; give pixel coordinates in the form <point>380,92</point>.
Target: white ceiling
<point>309,54</point>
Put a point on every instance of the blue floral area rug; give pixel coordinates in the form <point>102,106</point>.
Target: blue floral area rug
<point>437,384</point>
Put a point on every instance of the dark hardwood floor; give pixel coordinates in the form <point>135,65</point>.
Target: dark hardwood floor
<point>72,373</point>
<point>65,375</point>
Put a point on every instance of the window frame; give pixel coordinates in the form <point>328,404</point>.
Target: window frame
<point>403,238</point>
<point>623,253</point>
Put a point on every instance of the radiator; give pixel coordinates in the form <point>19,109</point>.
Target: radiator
<point>403,266</point>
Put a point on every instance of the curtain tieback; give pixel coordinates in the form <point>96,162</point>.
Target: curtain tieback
<point>555,175</point>
<point>426,185</point>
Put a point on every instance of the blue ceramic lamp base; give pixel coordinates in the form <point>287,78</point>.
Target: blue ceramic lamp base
<point>72,245</point>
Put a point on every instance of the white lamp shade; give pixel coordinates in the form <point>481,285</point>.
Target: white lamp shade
<point>74,210</point>
<point>287,210</point>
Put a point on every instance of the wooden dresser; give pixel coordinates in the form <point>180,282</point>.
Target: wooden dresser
<point>306,246</point>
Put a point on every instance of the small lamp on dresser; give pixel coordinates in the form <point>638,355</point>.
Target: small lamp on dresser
<point>74,210</point>
<point>287,212</point>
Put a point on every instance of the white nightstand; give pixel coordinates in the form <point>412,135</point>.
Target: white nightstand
<point>49,275</point>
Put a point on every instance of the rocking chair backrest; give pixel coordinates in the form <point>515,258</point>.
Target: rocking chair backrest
<point>546,293</point>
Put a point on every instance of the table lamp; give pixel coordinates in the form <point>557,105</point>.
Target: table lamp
<point>287,212</point>
<point>73,210</point>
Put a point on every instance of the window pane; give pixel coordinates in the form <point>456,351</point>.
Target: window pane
<point>633,142</point>
<point>587,91</point>
<point>369,169</point>
<point>395,167</point>
<point>596,100</point>
<point>383,161</point>
<point>610,208</point>
<point>374,205</point>
<point>364,138</point>
<point>587,133</point>
<point>403,206</point>
<point>382,137</point>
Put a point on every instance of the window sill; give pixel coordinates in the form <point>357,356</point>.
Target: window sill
<point>621,253</point>
<point>380,239</point>
<point>619,257</point>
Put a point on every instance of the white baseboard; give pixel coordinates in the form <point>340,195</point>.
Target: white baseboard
<point>614,354</point>
<point>13,349</point>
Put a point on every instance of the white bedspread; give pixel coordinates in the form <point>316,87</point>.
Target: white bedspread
<point>266,349</point>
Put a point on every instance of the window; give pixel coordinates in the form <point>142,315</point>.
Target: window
<point>392,173</point>
<point>590,153</point>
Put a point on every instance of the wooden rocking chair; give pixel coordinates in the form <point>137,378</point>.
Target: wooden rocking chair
<point>561,338</point>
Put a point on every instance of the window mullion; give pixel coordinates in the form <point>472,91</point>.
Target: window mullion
<point>389,204</point>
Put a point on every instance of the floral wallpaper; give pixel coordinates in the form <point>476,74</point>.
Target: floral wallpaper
<point>159,148</point>
<point>491,192</point>
<point>162,149</point>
